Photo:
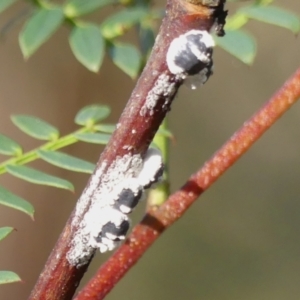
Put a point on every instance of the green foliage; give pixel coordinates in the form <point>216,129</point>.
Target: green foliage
<point>88,45</point>
<point>10,200</point>
<point>94,138</point>
<point>9,147</point>
<point>37,177</point>
<point>126,57</point>
<point>36,127</point>
<point>39,28</point>
<point>272,15</point>
<point>89,41</point>
<point>4,4</point>
<point>242,44</point>
<point>117,24</point>
<point>91,131</point>
<point>76,8</point>
<point>5,231</point>
<point>91,114</point>
<point>66,161</point>
<point>8,277</point>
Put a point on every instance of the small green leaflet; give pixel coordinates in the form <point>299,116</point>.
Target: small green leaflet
<point>235,22</point>
<point>5,231</point>
<point>126,57</point>
<point>238,43</point>
<point>146,37</point>
<point>92,114</point>
<point>66,161</point>
<point>14,201</point>
<point>8,277</point>
<point>39,28</point>
<point>88,45</point>
<point>75,8</point>
<point>273,15</point>
<point>4,4</point>
<point>38,177</point>
<point>116,25</point>
<point>165,133</point>
<point>106,128</point>
<point>95,138</point>
<point>9,146</point>
<point>35,127</point>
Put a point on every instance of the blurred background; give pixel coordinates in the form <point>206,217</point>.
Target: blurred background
<point>240,240</point>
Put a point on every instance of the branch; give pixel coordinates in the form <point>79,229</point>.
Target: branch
<point>146,109</point>
<point>160,218</point>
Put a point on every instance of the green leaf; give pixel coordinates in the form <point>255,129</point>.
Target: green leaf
<point>106,128</point>
<point>165,132</point>
<point>235,22</point>
<point>35,127</point>
<point>14,201</point>
<point>146,37</point>
<point>66,161</point>
<point>120,22</point>
<point>238,43</point>
<point>4,4</point>
<point>5,231</point>
<point>8,146</point>
<point>75,8</point>
<point>126,57</point>
<point>34,176</point>
<point>8,277</point>
<point>39,28</point>
<point>38,177</point>
<point>91,114</point>
<point>273,15</point>
<point>95,138</point>
<point>88,45</point>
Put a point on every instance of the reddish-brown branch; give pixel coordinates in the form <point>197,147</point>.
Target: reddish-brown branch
<point>158,219</point>
<point>60,278</point>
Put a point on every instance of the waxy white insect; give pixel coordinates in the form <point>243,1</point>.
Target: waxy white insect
<point>190,55</point>
<point>106,223</point>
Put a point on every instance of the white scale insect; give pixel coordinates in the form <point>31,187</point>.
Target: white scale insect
<point>190,57</point>
<point>106,223</point>
<point>132,192</point>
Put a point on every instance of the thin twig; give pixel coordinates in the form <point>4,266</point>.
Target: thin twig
<point>158,219</point>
